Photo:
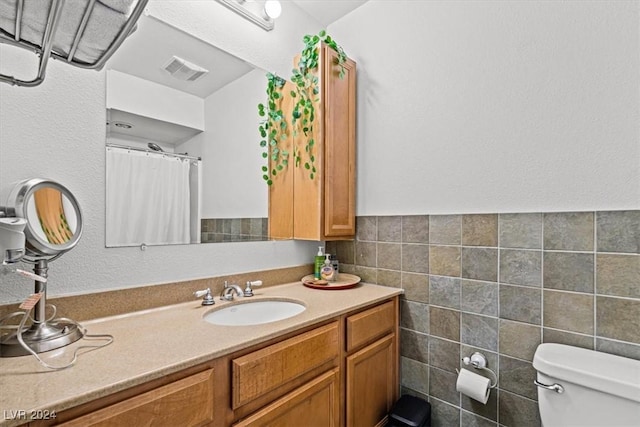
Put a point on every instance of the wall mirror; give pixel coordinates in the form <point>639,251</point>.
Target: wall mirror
<point>182,157</point>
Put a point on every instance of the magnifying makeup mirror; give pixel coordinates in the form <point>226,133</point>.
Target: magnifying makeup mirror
<point>53,227</point>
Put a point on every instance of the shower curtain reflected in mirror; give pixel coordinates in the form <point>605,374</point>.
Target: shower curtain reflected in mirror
<point>149,198</point>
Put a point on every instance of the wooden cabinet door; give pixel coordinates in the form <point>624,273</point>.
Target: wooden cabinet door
<point>281,190</point>
<point>339,111</point>
<point>186,402</point>
<point>371,383</point>
<point>316,403</point>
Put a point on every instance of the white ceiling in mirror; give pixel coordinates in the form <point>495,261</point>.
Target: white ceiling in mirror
<point>328,11</point>
<point>147,128</point>
<point>154,43</point>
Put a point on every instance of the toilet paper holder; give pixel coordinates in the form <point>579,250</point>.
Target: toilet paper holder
<point>479,361</point>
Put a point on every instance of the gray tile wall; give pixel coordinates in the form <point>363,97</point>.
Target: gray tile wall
<point>500,284</point>
<point>214,230</point>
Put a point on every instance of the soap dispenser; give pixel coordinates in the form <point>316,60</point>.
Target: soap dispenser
<point>327,273</point>
<point>319,261</point>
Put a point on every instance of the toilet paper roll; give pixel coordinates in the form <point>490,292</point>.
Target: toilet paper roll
<point>473,385</point>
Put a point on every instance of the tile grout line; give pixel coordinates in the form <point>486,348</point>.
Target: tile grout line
<point>542,288</point>
<point>498,387</point>
<point>595,281</point>
<point>459,320</point>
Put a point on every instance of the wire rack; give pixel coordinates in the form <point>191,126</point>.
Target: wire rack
<point>45,49</point>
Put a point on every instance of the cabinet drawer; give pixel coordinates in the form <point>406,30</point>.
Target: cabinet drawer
<point>370,324</point>
<point>188,401</point>
<point>257,373</point>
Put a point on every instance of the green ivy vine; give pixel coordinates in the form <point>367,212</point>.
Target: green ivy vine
<point>272,128</point>
<point>305,94</point>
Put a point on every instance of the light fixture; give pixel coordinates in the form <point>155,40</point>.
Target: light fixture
<point>259,12</point>
<point>272,8</point>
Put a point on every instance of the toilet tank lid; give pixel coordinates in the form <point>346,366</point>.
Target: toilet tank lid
<point>608,373</point>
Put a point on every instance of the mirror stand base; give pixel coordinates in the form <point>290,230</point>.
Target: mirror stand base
<point>41,337</point>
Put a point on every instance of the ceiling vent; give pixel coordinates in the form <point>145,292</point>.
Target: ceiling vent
<point>183,70</point>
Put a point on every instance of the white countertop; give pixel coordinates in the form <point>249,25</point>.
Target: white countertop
<point>153,343</point>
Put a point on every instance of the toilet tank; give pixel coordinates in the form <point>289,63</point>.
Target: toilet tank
<point>599,389</point>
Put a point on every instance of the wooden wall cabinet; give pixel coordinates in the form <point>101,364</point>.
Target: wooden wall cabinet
<point>341,373</point>
<point>322,208</point>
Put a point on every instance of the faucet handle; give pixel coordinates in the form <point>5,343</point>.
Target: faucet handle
<point>206,293</point>
<point>248,292</point>
<point>200,294</point>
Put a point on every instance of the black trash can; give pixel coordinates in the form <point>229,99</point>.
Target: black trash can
<point>410,411</point>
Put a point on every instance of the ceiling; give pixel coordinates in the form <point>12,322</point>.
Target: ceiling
<point>154,42</point>
<point>328,11</point>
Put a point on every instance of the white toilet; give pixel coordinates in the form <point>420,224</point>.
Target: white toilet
<point>580,388</point>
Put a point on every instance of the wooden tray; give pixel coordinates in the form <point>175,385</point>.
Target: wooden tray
<point>345,281</point>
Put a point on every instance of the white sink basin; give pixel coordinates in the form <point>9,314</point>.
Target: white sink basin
<point>254,312</point>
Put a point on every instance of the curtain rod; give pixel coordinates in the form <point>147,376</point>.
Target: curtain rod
<point>146,150</point>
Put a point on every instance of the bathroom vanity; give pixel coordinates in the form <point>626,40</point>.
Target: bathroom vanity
<point>334,364</point>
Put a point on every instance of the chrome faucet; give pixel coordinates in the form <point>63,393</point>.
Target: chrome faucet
<point>229,290</point>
